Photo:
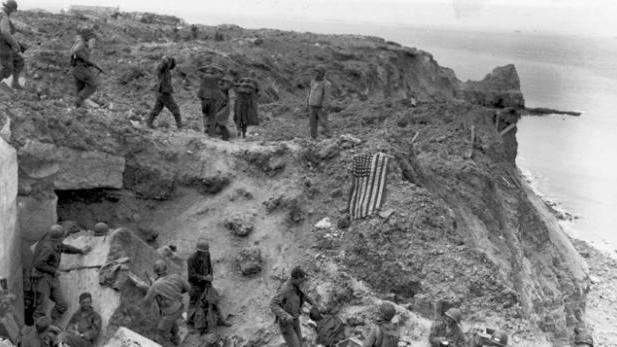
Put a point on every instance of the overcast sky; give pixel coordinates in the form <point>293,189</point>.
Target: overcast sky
<point>585,17</point>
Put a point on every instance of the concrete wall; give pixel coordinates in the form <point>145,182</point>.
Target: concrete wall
<point>10,247</point>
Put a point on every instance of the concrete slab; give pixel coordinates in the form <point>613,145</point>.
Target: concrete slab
<point>125,337</point>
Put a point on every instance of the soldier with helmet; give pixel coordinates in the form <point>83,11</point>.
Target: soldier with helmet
<point>211,96</point>
<point>11,62</point>
<point>318,100</point>
<point>384,333</point>
<point>447,330</point>
<point>85,80</point>
<point>164,91</point>
<point>47,256</point>
<point>167,290</point>
<point>245,108</point>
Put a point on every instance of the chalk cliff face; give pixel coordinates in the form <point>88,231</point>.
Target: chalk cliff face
<point>459,224</point>
<point>10,251</point>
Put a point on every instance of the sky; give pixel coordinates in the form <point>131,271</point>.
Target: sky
<point>583,17</point>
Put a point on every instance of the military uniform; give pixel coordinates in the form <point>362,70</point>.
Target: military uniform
<point>164,97</point>
<point>47,256</point>
<point>453,334</point>
<point>318,99</point>
<point>85,80</point>
<point>212,100</point>
<point>199,265</point>
<point>11,62</point>
<point>287,307</point>
<point>87,324</point>
<point>245,112</point>
<point>167,291</point>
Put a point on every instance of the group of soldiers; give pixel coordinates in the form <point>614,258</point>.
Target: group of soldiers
<point>228,101</point>
<point>84,327</point>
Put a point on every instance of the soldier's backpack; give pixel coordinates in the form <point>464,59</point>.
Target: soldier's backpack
<point>330,330</point>
<point>386,337</point>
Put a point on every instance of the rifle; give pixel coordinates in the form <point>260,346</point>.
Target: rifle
<point>75,59</point>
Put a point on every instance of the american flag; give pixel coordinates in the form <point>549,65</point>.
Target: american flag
<point>368,184</point>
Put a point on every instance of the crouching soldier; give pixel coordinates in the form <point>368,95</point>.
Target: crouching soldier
<point>167,290</point>
<point>84,326</point>
<point>11,62</point>
<point>384,333</point>
<point>47,256</point>
<point>42,335</point>
<point>330,329</point>
<point>164,91</point>
<point>447,331</point>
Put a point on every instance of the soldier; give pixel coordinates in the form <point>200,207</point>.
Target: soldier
<point>11,62</point>
<point>225,116</point>
<point>318,100</point>
<point>84,326</point>
<point>245,112</point>
<point>167,290</point>
<point>446,331</point>
<point>47,256</point>
<point>384,333</point>
<point>211,97</point>
<point>164,97</point>
<point>287,307</point>
<point>43,335</point>
<point>85,80</point>
<point>330,329</point>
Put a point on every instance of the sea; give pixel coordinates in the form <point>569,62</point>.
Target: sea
<point>569,161</point>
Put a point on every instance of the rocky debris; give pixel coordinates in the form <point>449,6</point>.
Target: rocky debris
<point>324,224</point>
<point>212,184</point>
<point>149,181</point>
<point>125,337</point>
<point>241,223</point>
<point>347,141</point>
<point>271,162</point>
<point>250,261</point>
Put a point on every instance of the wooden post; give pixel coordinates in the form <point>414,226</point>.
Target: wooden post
<point>507,129</point>
<point>497,121</point>
<point>473,137</point>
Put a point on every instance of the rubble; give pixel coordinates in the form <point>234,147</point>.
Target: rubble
<point>249,261</point>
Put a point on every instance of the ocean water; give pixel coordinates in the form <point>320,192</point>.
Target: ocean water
<point>570,160</point>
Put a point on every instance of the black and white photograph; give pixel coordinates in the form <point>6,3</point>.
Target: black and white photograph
<point>308,173</point>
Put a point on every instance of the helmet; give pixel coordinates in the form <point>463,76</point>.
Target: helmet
<point>203,245</point>
<point>101,228</point>
<point>298,273</point>
<point>455,314</point>
<point>387,311</point>
<point>56,232</point>
<point>320,68</point>
<point>10,6</point>
<point>159,268</point>
<point>499,338</point>
<point>583,338</point>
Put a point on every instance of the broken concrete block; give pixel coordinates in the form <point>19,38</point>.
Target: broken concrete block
<point>125,337</point>
<point>71,169</point>
<point>250,261</point>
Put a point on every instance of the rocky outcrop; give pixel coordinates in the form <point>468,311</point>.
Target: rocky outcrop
<point>501,88</point>
<point>10,245</point>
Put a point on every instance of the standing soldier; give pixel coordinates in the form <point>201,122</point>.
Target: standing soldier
<point>85,324</point>
<point>211,97</point>
<point>85,80</point>
<point>204,312</point>
<point>11,62</point>
<point>318,100</point>
<point>164,92</point>
<point>225,116</point>
<point>167,290</point>
<point>47,256</point>
<point>287,307</point>
<point>245,112</point>
<point>447,331</point>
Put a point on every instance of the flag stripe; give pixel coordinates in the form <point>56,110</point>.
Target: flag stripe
<point>368,183</point>
<point>378,183</point>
